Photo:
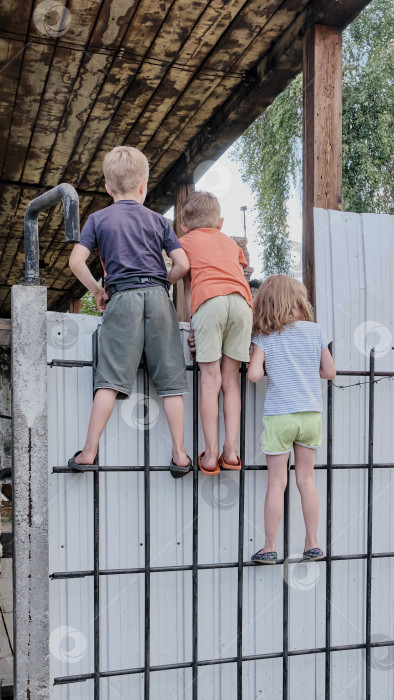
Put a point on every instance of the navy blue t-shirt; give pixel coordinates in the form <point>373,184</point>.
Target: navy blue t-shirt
<point>130,239</point>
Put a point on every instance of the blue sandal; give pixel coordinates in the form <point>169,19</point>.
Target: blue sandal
<point>314,554</point>
<point>265,558</point>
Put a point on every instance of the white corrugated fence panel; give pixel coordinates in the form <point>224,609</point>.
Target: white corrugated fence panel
<point>355,305</point>
<point>353,286</point>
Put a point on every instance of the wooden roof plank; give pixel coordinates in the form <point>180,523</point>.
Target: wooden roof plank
<point>9,201</point>
<point>113,21</point>
<point>75,28</point>
<point>15,15</point>
<point>192,114</point>
<point>275,70</point>
<point>242,32</point>
<point>64,68</point>
<point>35,68</point>
<point>217,15</point>
<point>172,35</point>
<point>66,64</point>
<point>87,85</point>
<point>94,69</point>
<point>109,98</point>
<point>11,56</point>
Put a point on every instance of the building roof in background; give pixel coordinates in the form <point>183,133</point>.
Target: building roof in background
<point>179,79</point>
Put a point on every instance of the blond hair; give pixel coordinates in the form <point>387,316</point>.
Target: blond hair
<point>124,169</point>
<point>200,210</point>
<point>275,301</point>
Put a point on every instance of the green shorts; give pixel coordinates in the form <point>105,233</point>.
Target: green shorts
<point>138,320</point>
<point>223,326</point>
<point>282,431</point>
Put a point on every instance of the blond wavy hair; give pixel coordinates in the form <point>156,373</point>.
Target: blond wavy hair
<point>273,307</point>
<point>124,169</point>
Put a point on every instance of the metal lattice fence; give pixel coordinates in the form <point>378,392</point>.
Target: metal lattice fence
<point>196,663</point>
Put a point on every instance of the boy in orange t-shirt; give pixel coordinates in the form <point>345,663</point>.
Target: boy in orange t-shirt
<point>219,303</point>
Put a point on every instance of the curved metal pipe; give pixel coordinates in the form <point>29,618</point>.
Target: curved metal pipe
<point>68,195</point>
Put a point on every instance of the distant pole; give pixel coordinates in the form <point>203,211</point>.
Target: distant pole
<point>244,210</point>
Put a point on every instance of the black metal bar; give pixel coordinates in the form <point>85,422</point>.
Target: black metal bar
<point>147,536</point>
<point>241,512</point>
<point>328,537</point>
<point>285,684</point>
<point>200,567</point>
<point>369,525</point>
<point>62,680</point>
<point>62,193</point>
<point>346,373</point>
<point>70,363</point>
<point>96,546</point>
<point>248,467</point>
<point>190,368</point>
<point>195,566</point>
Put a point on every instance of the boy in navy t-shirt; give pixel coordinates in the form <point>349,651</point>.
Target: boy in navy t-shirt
<point>139,315</point>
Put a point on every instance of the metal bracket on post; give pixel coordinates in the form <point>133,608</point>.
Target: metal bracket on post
<point>68,195</point>
<point>30,456</point>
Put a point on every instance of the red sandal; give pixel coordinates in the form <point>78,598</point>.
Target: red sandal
<point>210,472</point>
<point>234,467</point>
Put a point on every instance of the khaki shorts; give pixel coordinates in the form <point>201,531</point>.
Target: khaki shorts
<point>223,326</point>
<point>281,432</point>
<point>138,320</point>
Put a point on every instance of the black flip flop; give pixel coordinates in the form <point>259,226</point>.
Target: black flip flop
<point>82,467</point>
<point>177,471</point>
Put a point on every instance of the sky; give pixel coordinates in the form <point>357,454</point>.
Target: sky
<point>223,179</point>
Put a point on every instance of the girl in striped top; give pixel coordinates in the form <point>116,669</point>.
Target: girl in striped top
<point>292,351</point>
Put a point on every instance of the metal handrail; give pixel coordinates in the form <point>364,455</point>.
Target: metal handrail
<point>61,193</point>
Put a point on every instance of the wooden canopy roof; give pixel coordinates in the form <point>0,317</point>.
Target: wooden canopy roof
<point>179,79</point>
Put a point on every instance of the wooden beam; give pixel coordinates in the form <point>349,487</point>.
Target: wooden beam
<point>75,305</point>
<point>5,331</point>
<point>322,137</point>
<point>182,190</point>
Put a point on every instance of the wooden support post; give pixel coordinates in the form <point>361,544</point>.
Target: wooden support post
<point>182,190</point>
<point>322,135</point>
<point>75,305</point>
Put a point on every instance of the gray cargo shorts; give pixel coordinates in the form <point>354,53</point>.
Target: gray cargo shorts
<point>138,320</point>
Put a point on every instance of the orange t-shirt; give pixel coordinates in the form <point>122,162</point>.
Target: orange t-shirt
<point>214,266</point>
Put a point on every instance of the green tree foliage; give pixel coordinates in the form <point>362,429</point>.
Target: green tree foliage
<point>269,152</point>
<point>368,112</point>
<point>89,305</point>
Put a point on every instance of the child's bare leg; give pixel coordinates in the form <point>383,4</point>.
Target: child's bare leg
<point>174,410</point>
<point>231,408</point>
<point>211,381</point>
<point>273,508</point>
<point>304,465</point>
<point>103,405</point>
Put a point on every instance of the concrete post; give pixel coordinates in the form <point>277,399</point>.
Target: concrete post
<point>30,492</point>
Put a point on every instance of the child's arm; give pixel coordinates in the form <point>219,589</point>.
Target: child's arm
<point>188,301</point>
<point>256,364</point>
<point>188,294</point>
<point>180,265</point>
<point>327,367</point>
<point>78,265</point>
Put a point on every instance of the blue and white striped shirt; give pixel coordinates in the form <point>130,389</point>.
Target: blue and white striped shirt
<point>292,363</point>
